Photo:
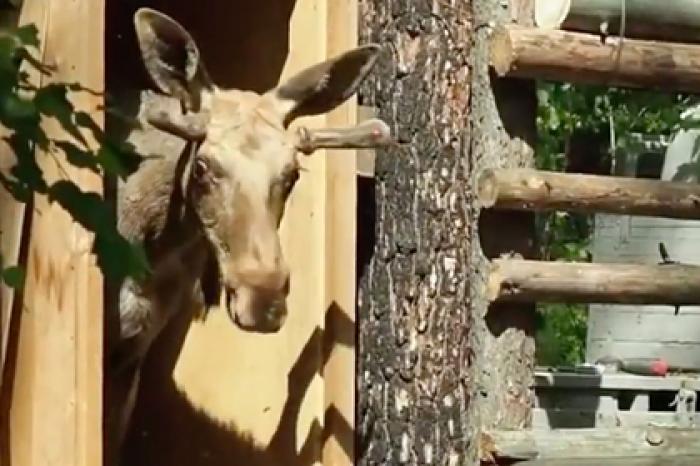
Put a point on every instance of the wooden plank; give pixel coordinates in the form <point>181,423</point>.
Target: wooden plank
<point>677,354</point>
<point>579,418</point>
<point>615,381</point>
<point>337,448</point>
<point>645,442</point>
<point>644,326</point>
<point>583,58</point>
<point>12,212</point>
<point>582,282</point>
<point>527,189</point>
<point>676,461</point>
<point>55,416</point>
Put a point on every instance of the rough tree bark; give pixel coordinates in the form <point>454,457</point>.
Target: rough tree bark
<point>413,384</point>
<point>503,134</point>
<point>432,369</point>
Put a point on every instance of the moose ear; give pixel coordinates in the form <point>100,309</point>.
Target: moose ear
<point>171,57</point>
<point>322,87</point>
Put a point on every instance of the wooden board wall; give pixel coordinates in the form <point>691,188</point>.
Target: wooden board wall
<point>232,397</point>
<point>52,385</point>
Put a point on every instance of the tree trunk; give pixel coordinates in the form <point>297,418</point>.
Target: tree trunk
<point>432,371</point>
<point>503,134</point>
<point>414,352</point>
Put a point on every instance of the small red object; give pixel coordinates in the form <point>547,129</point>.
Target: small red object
<point>659,367</point>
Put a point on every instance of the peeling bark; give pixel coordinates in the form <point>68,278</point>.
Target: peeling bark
<point>503,133</point>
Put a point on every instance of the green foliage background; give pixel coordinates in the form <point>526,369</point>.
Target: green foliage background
<point>563,109</point>
<point>23,107</point>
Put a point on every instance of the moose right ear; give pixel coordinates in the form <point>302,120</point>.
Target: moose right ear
<point>171,57</point>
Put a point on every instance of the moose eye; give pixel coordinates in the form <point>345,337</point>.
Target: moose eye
<point>200,168</point>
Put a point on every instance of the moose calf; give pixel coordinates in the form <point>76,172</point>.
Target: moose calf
<point>215,207</point>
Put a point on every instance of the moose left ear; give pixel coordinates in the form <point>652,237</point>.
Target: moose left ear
<point>171,57</point>
<point>322,87</point>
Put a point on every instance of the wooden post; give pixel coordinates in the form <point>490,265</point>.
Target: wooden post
<point>337,447</point>
<point>583,58</point>
<point>55,391</point>
<point>11,211</point>
<point>647,19</point>
<point>629,443</point>
<point>526,189</point>
<point>532,281</point>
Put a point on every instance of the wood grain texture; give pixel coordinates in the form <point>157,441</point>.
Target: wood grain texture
<point>527,189</point>
<point>55,414</point>
<point>583,58</point>
<point>602,443</point>
<point>338,440</point>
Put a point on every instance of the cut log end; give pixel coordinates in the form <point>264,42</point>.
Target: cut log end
<point>550,14</point>
<point>502,53</point>
<point>487,188</point>
<point>494,283</point>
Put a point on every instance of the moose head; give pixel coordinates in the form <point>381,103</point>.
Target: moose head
<point>243,163</point>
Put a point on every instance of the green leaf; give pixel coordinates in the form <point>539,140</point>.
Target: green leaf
<point>28,35</point>
<point>26,171</point>
<point>117,161</point>
<point>16,111</point>
<point>13,276</point>
<point>118,258</point>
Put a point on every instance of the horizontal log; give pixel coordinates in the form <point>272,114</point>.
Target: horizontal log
<point>575,282</point>
<point>580,418</point>
<point>678,20</point>
<point>583,58</point>
<point>686,460</point>
<point>608,443</point>
<point>527,189</point>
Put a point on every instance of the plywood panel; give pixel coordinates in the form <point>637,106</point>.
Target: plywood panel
<point>55,392</point>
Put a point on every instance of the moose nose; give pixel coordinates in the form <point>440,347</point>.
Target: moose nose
<point>257,310</point>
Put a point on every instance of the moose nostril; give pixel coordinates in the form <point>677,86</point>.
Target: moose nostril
<point>285,286</point>
<point>276,314</point>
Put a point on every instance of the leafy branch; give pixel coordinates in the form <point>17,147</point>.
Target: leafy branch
<point>609,114</point>
<point>23,107</point>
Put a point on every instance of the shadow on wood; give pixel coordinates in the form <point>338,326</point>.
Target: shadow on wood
<point>168,429</point>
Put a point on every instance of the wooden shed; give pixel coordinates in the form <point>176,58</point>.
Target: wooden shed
<point>214,395</point>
